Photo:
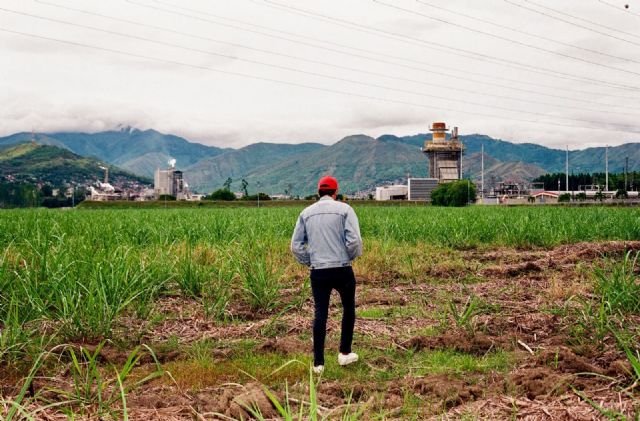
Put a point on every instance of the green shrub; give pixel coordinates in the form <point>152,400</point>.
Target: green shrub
<point>622,194</point>
<point>254,197</point>
<point>564,198</point>
<point>221,194</point>
<point>456,193</point>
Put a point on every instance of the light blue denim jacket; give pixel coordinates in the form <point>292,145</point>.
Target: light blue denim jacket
<point>327,235</point>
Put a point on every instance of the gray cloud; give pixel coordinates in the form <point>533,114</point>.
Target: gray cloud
<point>50,86</point>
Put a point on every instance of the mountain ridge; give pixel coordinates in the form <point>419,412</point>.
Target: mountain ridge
<point>34,163</point>
<point>360,161</point>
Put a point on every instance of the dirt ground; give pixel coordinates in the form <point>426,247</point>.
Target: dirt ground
<point>528,306</point>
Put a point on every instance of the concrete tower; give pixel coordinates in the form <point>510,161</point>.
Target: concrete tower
<point>445,156</point>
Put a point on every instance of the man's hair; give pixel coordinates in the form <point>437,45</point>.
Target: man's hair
<point>326,192</point>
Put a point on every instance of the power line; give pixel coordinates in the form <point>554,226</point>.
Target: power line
<point>568,21</point>
<point>380,54</point>
<point>606,3</point>
<point>600,126</point>
<point>512,41</point>
<point>305,72</point>
<point>592,22</point>
<point>453,88</point>
<point>530,34</point>
<point>412,40</point>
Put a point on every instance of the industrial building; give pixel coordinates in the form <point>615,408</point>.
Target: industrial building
<point>170,182</point>
<point>395,192</point>
<point>421,188</point>
<point>445,155</point>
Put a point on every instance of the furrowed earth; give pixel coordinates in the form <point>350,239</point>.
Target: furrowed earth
<point>480,331</point>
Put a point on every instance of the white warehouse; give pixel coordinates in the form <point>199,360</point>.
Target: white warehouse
<point>397,192</point>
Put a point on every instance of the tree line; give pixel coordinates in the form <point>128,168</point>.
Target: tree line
<point>25,195</point>
<point>576,181</point>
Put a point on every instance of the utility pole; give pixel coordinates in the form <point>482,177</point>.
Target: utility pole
<point>606,168</point>
<point>461,156</point>
<point>626,170</point>
<point>566,166</point>
<point>258,184</point>
<point>482,171</point>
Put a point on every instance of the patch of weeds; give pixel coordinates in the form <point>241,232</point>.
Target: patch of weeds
<point>619,290</point>
<point>412,406</point>
<point>170,345</point>
<point>310,410</point>
<point>202,351</point>
<point>562,310</point>
<point>471,279</point>
<point>607,413</point>
<point>156,319</point>
<point>412,310</point>
<point>464,316</point>
<point>485,307</point>
<point>192,374</point>
<point>434,330</point>
<point>375,313</point>
<point>275,327</point>
<point>453,362</point>
<point>468,416</point>
<point>632,355</point>
<point>96,391</point>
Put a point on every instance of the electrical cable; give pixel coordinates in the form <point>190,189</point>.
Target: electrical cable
<point>506,97</point>
<point>412,40</point>
<point>305,72</point>
<point>569,22</point>
<point>600,126</point>
<point>520,31</point>
<point>591,22</point>
<point>606,3</point>
<point>512,41</point>
<point>377,53</point>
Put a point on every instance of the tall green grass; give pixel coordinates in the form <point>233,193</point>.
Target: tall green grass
<point>74,274</point>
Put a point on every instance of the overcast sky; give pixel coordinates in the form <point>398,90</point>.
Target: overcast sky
<point>230,73</point>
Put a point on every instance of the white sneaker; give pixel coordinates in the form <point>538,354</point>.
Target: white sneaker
<point>318,369</point>
<point>347,359</point>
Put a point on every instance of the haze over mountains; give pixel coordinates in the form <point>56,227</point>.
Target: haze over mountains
<point>359,161</point>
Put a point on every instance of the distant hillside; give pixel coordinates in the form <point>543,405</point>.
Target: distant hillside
<point>551,160</point>
<point>131,149</point>
<point>360,161</point>
<point>495,170</point>
<point>210,173</point>
<point>58,166</point>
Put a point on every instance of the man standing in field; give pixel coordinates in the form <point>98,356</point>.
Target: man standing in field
<point>327,239</point>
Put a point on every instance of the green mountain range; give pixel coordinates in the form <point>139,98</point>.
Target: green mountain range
<point>360,161</point>
<point>134,150</point>
<point>31,163</point>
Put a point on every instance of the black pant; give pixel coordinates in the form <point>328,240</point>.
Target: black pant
<point>323,281</point>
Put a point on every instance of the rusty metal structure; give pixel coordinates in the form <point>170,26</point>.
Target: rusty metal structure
<point>445,155</point>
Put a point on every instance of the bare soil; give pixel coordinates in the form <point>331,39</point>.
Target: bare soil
<point>553,377</point>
